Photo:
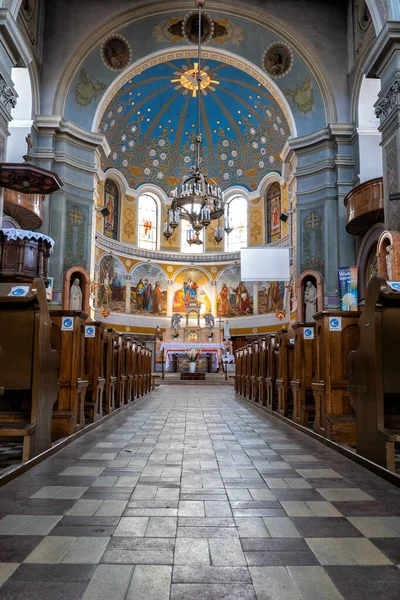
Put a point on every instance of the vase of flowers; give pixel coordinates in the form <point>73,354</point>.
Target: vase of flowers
<point>193,354</point>
<point>210,336</point>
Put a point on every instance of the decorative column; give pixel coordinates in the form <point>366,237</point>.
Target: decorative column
<point>384,62</point>
<point>214,298</point>
<point>170,298</point>
<point>255,298</point>
<point>128,294</point>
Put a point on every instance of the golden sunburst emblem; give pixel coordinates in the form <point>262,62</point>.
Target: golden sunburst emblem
<point>188,80</point>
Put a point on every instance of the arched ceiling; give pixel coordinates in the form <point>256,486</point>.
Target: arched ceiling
<point>150,125</point>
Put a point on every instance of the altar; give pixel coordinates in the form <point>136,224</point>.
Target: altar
<point>175,355</point>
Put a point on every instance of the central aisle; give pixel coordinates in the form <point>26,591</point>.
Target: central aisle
<point>198,498</point>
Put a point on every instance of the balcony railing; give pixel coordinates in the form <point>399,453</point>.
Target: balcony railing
<point>364,206</point>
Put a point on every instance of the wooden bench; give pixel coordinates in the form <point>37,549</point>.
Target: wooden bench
<point>270,379</point>
<point>29,368</point>
<point>68,338</point>
<point>284,372</point>
<point>374,375</point>
<point>262,367</point>
<point>255,371</point>
<point>94,370</point>
<point>129,385</point>
<point>303,373</point>
<point>110,370</point>
<point>334,415</point>
<point>121,371</point>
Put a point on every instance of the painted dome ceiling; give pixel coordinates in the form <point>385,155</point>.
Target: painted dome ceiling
<point>150,124</point>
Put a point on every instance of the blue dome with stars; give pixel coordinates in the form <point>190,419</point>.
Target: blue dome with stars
<point>151,122</point>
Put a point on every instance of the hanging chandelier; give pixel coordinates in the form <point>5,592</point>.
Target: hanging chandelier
<point>198,198</point>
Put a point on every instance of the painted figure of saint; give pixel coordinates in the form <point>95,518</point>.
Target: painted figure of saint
<point>205,303</point>
<point>190,290</point>
<point>75,296</point>
<point>224,300</point>
<point>146,295</point>
<point>243,298</point>
<point>139,297</point>
<point>157,299</point>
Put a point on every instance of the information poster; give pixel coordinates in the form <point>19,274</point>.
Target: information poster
<point>348,287</point>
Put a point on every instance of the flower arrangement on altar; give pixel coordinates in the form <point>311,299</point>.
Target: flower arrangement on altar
<point>193,355</point>
<point>210,336</point>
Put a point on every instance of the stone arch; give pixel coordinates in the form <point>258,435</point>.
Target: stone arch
<point>84,279</point>
<point>300,284</point>
<point>389,243</point>
<point>258,16</point>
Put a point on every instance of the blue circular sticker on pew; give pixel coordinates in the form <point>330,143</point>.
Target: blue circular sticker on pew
<point>18,292</point>
<point>67,324</point>
<point>335,324</point>
<point>395,285</point>
<point>309,333</point>
<point>89,331</point>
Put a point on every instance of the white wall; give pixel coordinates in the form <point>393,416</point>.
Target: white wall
<point>369,138</point>
<point>21,124</point>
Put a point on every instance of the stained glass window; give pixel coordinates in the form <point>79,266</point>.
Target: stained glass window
<point>112,203</point>
<point>236,216</point>
<point>273,213</point>
<point>147,222</point>
<point>186,248</point>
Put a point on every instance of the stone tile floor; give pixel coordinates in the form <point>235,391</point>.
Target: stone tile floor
<point>198,499</point>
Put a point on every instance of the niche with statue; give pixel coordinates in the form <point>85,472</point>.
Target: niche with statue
<point>310,294</point>
<point>76,290</point>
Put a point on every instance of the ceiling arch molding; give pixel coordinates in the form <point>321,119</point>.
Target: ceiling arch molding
<point>234,9</point>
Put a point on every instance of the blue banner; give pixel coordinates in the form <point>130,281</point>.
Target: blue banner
<point>348,287</point>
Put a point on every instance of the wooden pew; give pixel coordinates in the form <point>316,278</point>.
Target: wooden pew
<point>262,369</point>
<point>334,415</point>
<point>110,370</point>
<point>29,368</point>
<point>270,379</point>
<point>94,370</point>
<point>121,372</point>
<point>238,371</point>
<point>303,373</point>
<point>284,373</point>
<point>254,371</point>
<point>374,378</point>
<point>68,338</point>
<point>247,370</point>
<point>148,370</point>
<point>139,372</point>
<point>129,386</point>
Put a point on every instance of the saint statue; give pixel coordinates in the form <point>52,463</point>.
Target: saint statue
<point>389,264</point>
<point>310,302</point>
<point>75,296</point>
<point>227,333</point>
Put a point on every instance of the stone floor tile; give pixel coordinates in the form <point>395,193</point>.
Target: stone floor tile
<point>82,471</point>
<point>251,527</point>
<point>345,494</point>
<point>150,582</point>
<point>111,508</point>
<point>109,581</point>
<point>85,508</point>
<point>104,481</point>
<point>325,527</point>
<point>6,570</point>
<point>226,553</point>
<point>11,524</point>
<point>73,492</point>
<point>329,551</point>
<point>188,508</point>
<point>86,550</point>
<point>217,509</point>
<point>51,549</point>
<point>364,551</point>
<point>323,509</point>
<point>161,527</point>
<point>144,492</point>
<point>212,591</point>
<point>313,583</point>
<point>49,491</point>
<point>40,590</point>
<point>40,525</point>
<point>372,527</point>
<point>273,583</point>
<point>297,483</point>
<point>296,508</point>
<point>364,583</point>
<point>239,494</point>
<point>281,527</point>
<point>189,551</point>
<point>202,574</point>
<point>132,526</point>
<point>16,549</point>
<point>166,494</point>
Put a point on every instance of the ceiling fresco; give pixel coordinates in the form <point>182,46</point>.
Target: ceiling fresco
<point>150,125</point>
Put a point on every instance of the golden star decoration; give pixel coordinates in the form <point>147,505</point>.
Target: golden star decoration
<point>188,80</point>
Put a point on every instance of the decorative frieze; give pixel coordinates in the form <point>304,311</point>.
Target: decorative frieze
<point>8,96</point>
<point>388,101</point>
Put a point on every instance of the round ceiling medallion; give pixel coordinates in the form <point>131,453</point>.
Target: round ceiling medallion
<point>277,60</point>
<point>116,53</point>
<point>190,28</point>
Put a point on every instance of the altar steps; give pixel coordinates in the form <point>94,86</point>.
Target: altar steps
<point>211,379</point>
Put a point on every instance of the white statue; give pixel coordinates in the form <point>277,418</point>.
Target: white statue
<point>389,264</point>
<point>227,333</point>
<point>310,302</point>
<point>75,296</point>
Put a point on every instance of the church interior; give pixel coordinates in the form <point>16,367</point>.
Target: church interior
<point>199,299</point>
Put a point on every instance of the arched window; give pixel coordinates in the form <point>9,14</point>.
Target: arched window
<point>273,212</point>
<point>112,203</point>
<point>147,222</point>
<point>186,248</point>
<point>236,217</point>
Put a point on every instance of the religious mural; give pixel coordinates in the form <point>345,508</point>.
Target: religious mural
<point>278,60</point>
<point>273,212</point>
<point>112,204</point>
<point>111,292</point>
<point>148,290</point>
<point>76,235</point>
<point>234,298</point>
<point>191,285</point>
<point>116,53</point>
<point>271,296</point>
<point>176,29</point>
